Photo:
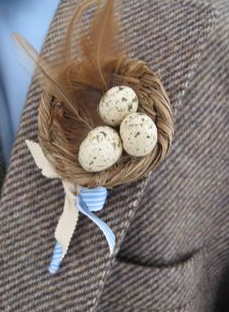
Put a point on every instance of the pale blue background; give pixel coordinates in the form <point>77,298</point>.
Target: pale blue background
<point>30,18</point>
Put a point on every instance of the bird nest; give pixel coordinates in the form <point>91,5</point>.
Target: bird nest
<point>61,131</point>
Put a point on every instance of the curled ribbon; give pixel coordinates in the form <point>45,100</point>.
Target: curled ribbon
<point>77,199</point>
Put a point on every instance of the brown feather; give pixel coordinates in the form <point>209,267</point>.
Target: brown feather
<point>85,61</point>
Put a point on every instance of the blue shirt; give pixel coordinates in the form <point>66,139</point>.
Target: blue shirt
<point>30,18</point>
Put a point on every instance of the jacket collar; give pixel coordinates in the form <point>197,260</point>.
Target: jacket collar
<point>170,36</point>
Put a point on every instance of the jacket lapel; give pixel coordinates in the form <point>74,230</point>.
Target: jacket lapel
<point>169,35</point>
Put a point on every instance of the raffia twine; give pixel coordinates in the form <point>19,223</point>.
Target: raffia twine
<point>61,149</point>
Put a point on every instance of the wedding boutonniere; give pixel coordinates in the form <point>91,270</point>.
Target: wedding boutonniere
<point>104,119</point>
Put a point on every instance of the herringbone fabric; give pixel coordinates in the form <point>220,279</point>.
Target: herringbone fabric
<point>171,227</point>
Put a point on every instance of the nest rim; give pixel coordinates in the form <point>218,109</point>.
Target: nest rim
<point>153,101</point>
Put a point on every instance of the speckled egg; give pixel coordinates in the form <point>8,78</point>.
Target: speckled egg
<point>139,134</point>
<point>100,149</point>
<point>116,104</point>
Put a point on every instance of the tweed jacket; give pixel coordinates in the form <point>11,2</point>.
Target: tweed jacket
<point>172,227</point>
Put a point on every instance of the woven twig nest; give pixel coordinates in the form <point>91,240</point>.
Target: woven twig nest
<point>60,131</point>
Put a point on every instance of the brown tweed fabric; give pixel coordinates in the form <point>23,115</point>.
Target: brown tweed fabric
<point>171,227</point>
<point>186,207</point>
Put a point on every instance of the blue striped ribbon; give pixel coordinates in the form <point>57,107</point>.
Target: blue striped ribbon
<point>87,201</point>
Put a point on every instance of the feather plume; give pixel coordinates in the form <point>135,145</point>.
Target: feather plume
<point>85,61</point>
<point>43,68</point>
